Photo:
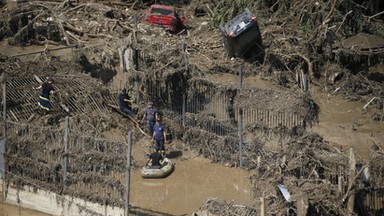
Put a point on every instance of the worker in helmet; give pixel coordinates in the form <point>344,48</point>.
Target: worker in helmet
<point>46,89</point>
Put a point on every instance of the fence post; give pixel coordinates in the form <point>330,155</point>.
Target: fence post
<point>128,174</point>
<point>137,85</point>
<point>183,108</point>
<point>65,152</point>
<point>241,121</point>
<point>352,171</point>
<point>302,204</point>
<point>305,82</point>
<point>262,205</point>
<point>241,77</point>
<point>3,148</point>
<point>135,30</point>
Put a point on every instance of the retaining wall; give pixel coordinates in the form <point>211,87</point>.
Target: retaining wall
<point>51,203</point>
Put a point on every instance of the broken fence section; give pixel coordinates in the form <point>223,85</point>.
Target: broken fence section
<point>95,168</point>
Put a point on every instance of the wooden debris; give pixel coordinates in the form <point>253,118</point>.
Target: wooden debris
<point>137,125</point>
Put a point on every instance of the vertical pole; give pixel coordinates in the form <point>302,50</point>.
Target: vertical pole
<point>262,206</point>
<point>183,108</point>
<point>305,82</point>
<point>241,77</point>
<point>65,152</point>
<point>241,121</point>
<point>135,31</point>
<point>137,85</point>
<point>184,63</point>
<point>340,183</point>
<point>352,172</point>
<point>241,136</point>
<point>136,64</point>
<point>128,174</point>
<point>302,205</point>
<point>182,45</point>
<point>2,170</point>
<point>4,112</point>
<point>3,148</point>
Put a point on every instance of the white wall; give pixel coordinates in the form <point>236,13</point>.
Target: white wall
<point>54,204</point>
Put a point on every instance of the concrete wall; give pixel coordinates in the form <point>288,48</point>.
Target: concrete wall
<point>54,204</point>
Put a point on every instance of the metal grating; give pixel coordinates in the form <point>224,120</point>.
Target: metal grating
<point>22,98</point>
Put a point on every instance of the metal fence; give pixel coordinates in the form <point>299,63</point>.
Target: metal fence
<point>204,105</point>
<point>22,99</point>
<point>370,201</point>
<point>67,162</point>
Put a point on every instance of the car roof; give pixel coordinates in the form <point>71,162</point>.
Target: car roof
<point>163,6</point>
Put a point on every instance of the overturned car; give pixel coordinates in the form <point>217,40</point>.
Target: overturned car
<point>242,37</point>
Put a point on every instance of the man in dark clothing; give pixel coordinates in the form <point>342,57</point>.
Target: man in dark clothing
<point>46,90</point>
<point>150,116</point>
<point>159,135</point>
<point>155,158</point>
<point>124,103</point>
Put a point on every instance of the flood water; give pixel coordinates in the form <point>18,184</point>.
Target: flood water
<point>188,187</point>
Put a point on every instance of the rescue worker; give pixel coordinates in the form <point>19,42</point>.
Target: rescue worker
<point>159,135</point>
<point>150,116</point>
<point>46,90</point>
<point>125,103</point>
<point>156,159</point>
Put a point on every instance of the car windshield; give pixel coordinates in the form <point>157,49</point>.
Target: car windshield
<point>239,24</point>
<point>162,11</point>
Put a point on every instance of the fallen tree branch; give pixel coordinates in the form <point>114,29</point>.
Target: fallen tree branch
<point>345,17</point>
<point>370,101</point>
<point>330,12</point>
<point>352,183</point>
<point>378,14</point>
<point>137,125</point>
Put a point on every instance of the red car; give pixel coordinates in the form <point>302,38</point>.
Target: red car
<point>166,16</point>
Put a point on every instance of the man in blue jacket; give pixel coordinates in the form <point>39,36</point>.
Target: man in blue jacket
<point>125,103</point>
<point>159,135</point>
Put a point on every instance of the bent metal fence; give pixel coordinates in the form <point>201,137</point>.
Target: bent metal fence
<point>66,162</point>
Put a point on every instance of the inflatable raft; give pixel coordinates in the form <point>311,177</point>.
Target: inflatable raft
<point>149,172</point>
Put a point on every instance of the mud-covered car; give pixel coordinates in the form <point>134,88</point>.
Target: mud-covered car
<point>168,17</point>
<point>241,34</point>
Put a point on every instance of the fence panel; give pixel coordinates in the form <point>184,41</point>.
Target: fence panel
<point>34,153</point>
<point>96,167</point>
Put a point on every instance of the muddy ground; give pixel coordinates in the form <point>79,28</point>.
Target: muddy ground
<point>308,37</point>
